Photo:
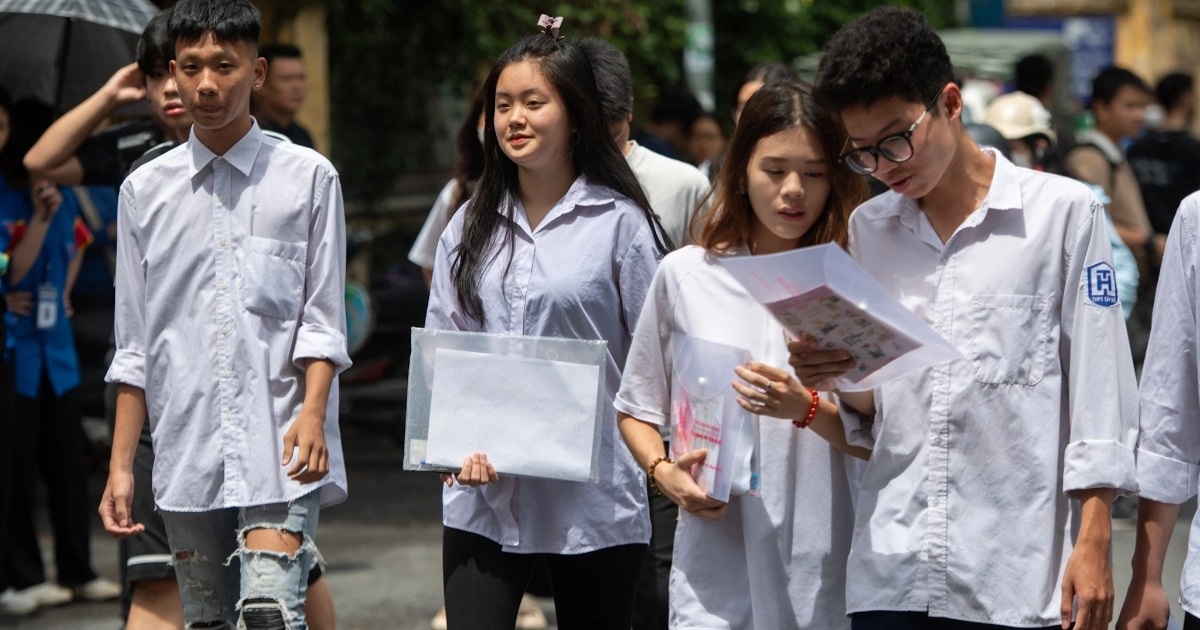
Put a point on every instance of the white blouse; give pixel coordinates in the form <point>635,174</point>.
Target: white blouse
<point>776,560</point>
<point>582,274</point>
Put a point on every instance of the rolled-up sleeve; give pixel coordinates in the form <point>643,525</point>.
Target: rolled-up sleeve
<point>128,366</point>
<point>322,331</point>
<point>645,391</point>
<point>1102,388</point>
<point>1169,441</point>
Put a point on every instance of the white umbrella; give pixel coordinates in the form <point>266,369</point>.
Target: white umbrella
<point>61,51</point>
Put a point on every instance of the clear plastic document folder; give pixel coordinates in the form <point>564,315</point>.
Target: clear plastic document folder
<point>534,405</point>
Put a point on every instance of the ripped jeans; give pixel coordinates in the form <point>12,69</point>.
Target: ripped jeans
<point>266,587</point>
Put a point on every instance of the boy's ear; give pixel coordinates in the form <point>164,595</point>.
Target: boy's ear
<point>171,66</point>
<point>260,72</point>
<point>953,100</point>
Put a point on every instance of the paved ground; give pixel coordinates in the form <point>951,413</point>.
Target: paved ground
<point>383,546</point>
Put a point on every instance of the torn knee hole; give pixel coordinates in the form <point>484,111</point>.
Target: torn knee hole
<point>272,539</point>
<point>185,555</point>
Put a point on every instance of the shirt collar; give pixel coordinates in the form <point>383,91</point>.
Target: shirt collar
<point>1004,193</point>
<point>581,194</point>
<point>240,156</point>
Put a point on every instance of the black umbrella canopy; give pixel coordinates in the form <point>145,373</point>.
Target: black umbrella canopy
<point>61,51</point>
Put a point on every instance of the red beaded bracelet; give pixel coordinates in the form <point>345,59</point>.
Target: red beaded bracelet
<point>812,411</point>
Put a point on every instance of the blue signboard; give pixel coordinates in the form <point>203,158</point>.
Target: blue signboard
<point>1091,41</point>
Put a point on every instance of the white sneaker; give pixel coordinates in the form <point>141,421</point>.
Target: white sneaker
<point>48,594</point>
<point>15,604</point>
<point>100,589</point>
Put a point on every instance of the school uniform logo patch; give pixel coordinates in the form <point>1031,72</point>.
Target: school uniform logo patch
<point>1102,285</point>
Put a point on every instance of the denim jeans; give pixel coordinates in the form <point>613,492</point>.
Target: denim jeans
<point>265,589</point>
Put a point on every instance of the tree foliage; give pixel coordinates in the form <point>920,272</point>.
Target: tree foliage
<point>396,64</point>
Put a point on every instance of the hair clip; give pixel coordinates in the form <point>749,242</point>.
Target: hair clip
<point>550,25</point>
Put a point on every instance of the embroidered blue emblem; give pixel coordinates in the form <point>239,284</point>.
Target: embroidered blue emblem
<point>1102,285</point>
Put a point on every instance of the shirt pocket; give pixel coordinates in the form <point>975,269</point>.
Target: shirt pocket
<point>1009,338</point>
<point>272,277</point>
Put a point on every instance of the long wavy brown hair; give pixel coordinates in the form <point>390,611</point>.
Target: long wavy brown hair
<point>778,107</point>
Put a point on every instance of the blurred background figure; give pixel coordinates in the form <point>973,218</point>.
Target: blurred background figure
<point>282,94</point>
<point>467,168</point>
<point>1034,75</point>
<point>758,76</point>
<point>44,239</point>
<point>708,141</point>
<point>669,129</point>
<point>1167,160</point>
<point>1026,124</point>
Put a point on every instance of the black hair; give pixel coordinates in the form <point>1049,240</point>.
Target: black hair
<point>1033,74</point>
<point>1172,88</point>
<point>1110,80</point>
<point>677,105</point>
<point>613,78</point>
<point>227,20</point>
<point>271,52</point>
<point>594,154</point>
<point>156,47</point>
<point>889,52</point>
<point>28,119</point>
<point>469,166</point>
<point>767,73</point>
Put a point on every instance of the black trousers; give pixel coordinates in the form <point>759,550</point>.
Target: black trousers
<point>483,584</point>
<point>6,440</point>
<point>899,620</point>
<point>48,439</point>
<point>650,603</point>
<point>1190,622</point>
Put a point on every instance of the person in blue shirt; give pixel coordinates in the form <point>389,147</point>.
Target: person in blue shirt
<point>42,237</point>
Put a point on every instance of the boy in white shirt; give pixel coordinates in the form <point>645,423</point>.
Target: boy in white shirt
<point>986,502</point>
<point>1168,450</point>
<point>230,330</point>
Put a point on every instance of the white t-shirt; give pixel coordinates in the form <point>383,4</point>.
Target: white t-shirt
<point>581,274</point>
<point>1169,443</point>
<point>965,509</point>
<point>675,189</point>
<point>424,249</point>
<point>776,560</point>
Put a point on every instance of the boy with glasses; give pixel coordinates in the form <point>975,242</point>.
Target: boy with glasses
<point>986,500</point>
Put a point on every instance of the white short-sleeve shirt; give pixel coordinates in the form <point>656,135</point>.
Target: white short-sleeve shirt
<point>964,509</point>
<point>776,560</point>
<point>1168,456</point>
<point>581,274</point>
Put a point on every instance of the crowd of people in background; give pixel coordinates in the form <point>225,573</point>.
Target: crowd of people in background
<point>976,494</point>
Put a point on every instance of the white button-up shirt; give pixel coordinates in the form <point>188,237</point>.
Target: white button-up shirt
<point>582,274</point>
<point>230,276</point>
<point>964,508</point>
<point>1168,457</point>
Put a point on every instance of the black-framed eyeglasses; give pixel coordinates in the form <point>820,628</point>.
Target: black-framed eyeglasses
<point>896,147</point>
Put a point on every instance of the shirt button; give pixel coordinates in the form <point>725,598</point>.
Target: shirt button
<point>221,198</point>
<point>223,286</point>
<point>223,242</point>
<point>225,331</point>
<point>225,374</point>
<point>228,417</point>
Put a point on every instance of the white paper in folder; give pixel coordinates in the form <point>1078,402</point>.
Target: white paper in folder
<point>531,417</point>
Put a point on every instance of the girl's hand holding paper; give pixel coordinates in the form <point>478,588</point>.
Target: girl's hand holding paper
<point>819,368</point>
<point>676,482</point>
<point>476,471</point>
<point>770,391</point>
